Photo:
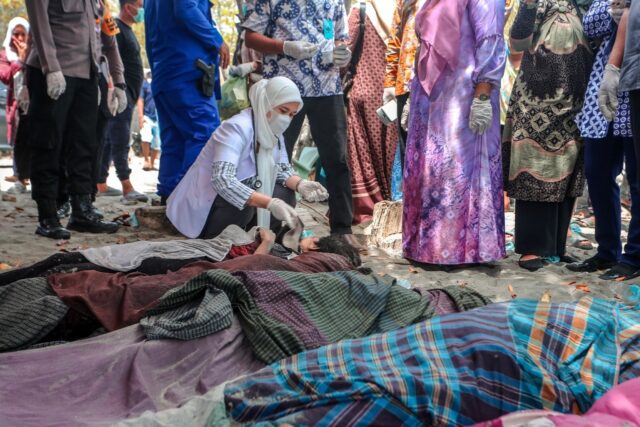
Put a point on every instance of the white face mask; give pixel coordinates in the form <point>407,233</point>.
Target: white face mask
<point>279,123</point>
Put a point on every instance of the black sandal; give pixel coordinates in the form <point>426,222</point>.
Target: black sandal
<point>621,272</point>
<point>532,264</point>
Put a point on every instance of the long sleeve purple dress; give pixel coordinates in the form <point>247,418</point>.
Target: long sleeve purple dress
<point>453,201</point>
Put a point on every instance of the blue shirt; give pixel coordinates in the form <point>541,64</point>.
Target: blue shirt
<point>599,25</point>
<point>178,32</point>
<point>301,20</point>
<point>630,72</point>
<point>149,104</point>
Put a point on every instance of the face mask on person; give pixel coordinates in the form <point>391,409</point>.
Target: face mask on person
<point>139,16</point>
<point>279,123</point>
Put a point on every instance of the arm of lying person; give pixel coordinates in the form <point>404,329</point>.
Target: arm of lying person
<point>267,239</point>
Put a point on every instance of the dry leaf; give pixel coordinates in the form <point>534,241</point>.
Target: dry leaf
<point>413,270</point>
<point>582,287</point>
<point>4,266</point>
<point>511,291</point>
<point>568,283</point>
<point>8,198</point>
<point>381,274</point>
<point>546,297</point>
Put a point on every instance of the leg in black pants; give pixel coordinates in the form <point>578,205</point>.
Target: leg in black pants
<point>224,214</point>
<point>328,122</point>
<point>63,128</point>
<point>21,152</point>
<point>541,227</point>
<point>402,134</point>
<point>634,97</point>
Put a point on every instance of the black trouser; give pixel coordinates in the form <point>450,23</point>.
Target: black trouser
<point>328,123</point>
<point>62,135</point>
<point>224,214</point>
<point>402,134</point>
<point>542,227</point>
<point>21,151</point>
<point>634,97</point>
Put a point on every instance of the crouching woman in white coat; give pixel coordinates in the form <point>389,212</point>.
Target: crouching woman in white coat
<point>243,175</point>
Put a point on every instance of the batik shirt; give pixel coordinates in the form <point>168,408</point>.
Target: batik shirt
<point>401,50</point>
<point>300,20</point>
<point>598,25</point>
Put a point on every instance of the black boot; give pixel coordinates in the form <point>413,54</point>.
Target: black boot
<point>49,224</point>
<point>64,210</point>
<point>83,218</point>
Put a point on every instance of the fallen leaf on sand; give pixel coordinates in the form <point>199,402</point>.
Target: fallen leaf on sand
<point>413,270</point>
<point>8,198</point>
<point>511,291</point>
<point>381,274</point>
<point>583,287</point>
<point>4,266</point>
<point>546,297</point>
<point>568,283</point>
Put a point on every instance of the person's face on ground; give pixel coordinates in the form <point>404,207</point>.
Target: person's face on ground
<point>309,244</point>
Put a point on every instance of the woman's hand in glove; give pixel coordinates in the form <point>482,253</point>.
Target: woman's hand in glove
<point>481,115</point>
<point>404,120</point>
<point>608,94</point>
<point>283,212</point>
<point>312,191</point>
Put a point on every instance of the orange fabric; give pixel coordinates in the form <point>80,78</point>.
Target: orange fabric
<point>401,51</point>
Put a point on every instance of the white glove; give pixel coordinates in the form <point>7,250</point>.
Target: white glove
<point>300,50</point>
<point>112,101</point>
<point>608,94</point>
<point>121,96</point>
<point>23,99</point>
<point>481,116</point>
<point>341,55</point>
<point>56,85</point>
<point>312,191</point>
<point>388,95</point>
<point>283,212</point>
<point>242,70</point>
<point>404,119</point>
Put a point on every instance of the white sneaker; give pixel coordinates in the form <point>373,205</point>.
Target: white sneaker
<point>17,188</point>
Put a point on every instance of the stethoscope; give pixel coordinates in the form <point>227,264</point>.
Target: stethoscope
<point>258,184</point>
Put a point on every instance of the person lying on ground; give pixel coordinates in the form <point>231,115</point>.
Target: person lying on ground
<point>154,258</point>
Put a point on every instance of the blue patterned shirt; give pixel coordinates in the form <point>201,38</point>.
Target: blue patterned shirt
<point>300,20</point>
<point>598,25</point>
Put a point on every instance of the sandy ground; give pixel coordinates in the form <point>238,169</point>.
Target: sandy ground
<point>501,281</point>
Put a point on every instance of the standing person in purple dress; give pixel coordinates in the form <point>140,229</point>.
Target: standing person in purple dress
<point>453,205</point>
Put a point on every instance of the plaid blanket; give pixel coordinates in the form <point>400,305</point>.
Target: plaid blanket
<point>456,369</point>
<point>29,310</point>
<point>284,313</point>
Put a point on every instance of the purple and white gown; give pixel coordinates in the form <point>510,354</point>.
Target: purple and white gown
<point>453,200</point>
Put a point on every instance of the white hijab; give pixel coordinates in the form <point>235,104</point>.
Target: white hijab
<point>12,56</point>
<point>266,95</point>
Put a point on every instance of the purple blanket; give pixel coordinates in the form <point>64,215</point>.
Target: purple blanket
<point>116,376</point>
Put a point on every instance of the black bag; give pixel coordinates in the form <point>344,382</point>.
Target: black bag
<point>347,79</point>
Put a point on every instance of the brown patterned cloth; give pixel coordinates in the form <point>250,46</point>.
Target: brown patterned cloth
<point>372,145</point>
<point>121,299</point>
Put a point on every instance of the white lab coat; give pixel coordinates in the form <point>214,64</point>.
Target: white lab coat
<point>189,204</point>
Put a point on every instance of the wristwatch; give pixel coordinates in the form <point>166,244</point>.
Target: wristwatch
<point>483,97</point>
